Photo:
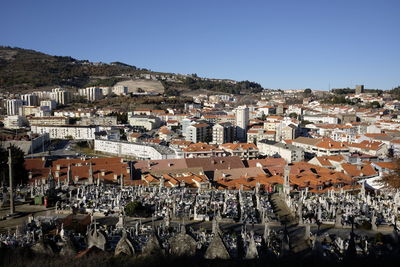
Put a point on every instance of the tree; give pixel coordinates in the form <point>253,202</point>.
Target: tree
<point>307,92</point>
<point>293,115</point>
<point>375,104</point>
<point>392,180</point>
<point>20,175</point>
<point>136,208</point>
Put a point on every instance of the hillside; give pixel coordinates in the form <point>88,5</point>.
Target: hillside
<point>23,69</point>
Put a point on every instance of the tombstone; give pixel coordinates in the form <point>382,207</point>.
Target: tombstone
<point>300,212</point>
<point>183,244</point>
<point>217,249</point>
<point>307,233</point>
<point>374,227</point>
<point>121,221</point>
<point>90,176</point>
<point>251,252</point>
<point>96,238</point>
<point>124,246</point>
<point>152,246</point>
<point>338,219</point>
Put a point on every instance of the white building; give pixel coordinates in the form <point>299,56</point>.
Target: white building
<point>242,120</point>
<point>135,150</point>
<point>146,122</point>
<point>120,90</point>
<point>14,122</point>
<point>13,106</point>
<point>286,151</point>
<point>48,104</point>
<point>61,96</point>
<point>30,99</point>
<point>223,133</point>
<point>91,93</point>
<point>322,118</point>
<point>197,132</point>
<point>66,132</point>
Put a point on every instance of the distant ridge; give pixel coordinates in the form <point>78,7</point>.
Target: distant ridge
<point>24,69</point>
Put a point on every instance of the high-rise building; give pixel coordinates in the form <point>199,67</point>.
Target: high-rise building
<point>13,106</point>
<point>198,132</point>
<point>61,96</point>
<point>30,100</point>
<point>223,133</point>
<point>91,93</point>
<point>242,120</point>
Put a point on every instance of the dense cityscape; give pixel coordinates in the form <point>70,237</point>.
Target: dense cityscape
<point>264,180</point>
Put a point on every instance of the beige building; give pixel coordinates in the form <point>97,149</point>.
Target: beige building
<point>223,133</point>
<point>48,120</point>
<point>198,132</point>
<point>146,122</point>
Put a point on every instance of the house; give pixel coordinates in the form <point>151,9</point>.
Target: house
<point>242,150</point>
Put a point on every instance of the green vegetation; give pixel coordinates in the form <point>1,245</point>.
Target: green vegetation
<point>339,99</point>
<point>395,92</point>
<point>343,91</point>
<point>105,82</point>
<point>26,69</point>
<point>136,208</point>
<point>216,86</point>
<point>19,173</point>
<point>122,117</point>
<point>307,92</point>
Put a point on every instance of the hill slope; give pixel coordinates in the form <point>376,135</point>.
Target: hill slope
<point>23,69</point>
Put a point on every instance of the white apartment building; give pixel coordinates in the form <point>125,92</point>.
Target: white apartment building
<point>103,121</point>
<point>14,122</point>
<point>288,152</point>
<point>65,132</point>
<point>29,110</point>
<point>91,93</point>
<point>120,90</point>
<point>48,104</point>
<point>61,96</point>
<point>146,122</point>
<point>322,118</point>
<point>48,120</point>
<point>30,99</point>
<point>223,133</point>
<point>105,91</point>
<point>197,132</point>
<point>135,150</point>
<point>13,106</point>
<point>242,120</point>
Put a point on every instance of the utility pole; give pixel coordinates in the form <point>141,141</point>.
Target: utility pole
<point>10,167</point>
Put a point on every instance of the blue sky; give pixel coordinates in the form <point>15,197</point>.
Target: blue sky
<point>284,44</point>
